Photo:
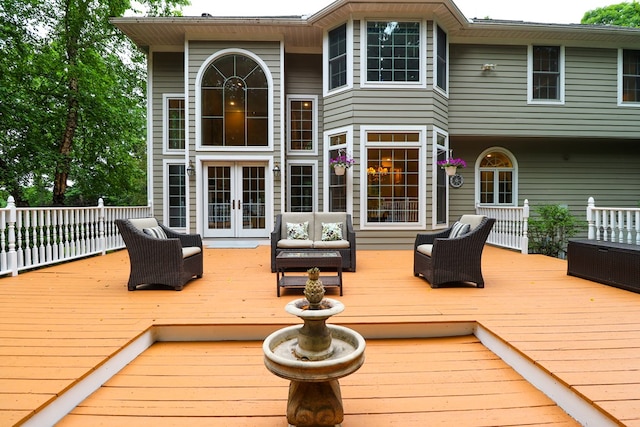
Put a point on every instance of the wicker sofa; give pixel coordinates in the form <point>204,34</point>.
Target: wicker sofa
<point>441,259</point>
<point>170,258</point>
<point>281,238</point>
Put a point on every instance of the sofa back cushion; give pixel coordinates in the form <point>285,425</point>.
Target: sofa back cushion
<point>296,218</point>
<point>472,220</point>
<point>329,218</point>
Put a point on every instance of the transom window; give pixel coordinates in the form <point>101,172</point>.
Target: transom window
<point>235,103</point>
<point>338,57</point>
<point>393,51</point>
<point>631,76</point>
<point>393,177</point>
<point>546,73</point>
<point>496,179</point>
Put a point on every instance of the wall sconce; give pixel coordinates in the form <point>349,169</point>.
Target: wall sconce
<point>191,171</point>
<point>488,67</point>
<point>276,170</point>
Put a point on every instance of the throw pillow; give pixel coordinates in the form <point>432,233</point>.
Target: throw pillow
<point>331,231</point>
<point>459,229</point>
<point>298,231</point>
<point>156,232</point>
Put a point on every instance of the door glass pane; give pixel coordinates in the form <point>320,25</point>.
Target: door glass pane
<point>253,197</point>
<point>219,197</point>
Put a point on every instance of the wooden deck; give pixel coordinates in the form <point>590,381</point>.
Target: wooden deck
<point>450,356</point>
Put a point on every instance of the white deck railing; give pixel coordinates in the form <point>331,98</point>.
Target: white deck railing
<point>510,228</point>
<point>33,237</point>
<point>620,225</point>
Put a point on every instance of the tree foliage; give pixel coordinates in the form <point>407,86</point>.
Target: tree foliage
<point>550,230</point>
<point>621,14</point>
<point>72,101</point>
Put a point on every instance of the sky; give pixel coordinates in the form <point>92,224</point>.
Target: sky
<point>547,11</point>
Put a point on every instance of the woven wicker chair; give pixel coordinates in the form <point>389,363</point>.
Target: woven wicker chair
<point>440,259</point>
<point>170,261</point>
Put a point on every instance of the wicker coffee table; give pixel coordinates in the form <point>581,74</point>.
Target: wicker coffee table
<point>303,260</point>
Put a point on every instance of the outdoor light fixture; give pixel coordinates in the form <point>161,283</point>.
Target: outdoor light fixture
<point>191,171</point>
<point>488,67</point>
<point>276,170</point>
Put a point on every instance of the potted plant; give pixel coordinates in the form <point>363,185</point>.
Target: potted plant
<point>451,165</point>
<point>341,163</point>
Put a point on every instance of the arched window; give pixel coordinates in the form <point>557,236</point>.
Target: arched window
<point>497,179</point>
<point>235,103</point>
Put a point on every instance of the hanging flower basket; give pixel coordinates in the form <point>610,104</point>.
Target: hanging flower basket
<point>451,165</point>
<point>341,163</point>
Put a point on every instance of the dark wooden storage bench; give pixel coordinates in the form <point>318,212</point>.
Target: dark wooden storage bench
<point>615,264</point>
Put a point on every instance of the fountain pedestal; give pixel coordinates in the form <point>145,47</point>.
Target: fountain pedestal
<point>313,357</point>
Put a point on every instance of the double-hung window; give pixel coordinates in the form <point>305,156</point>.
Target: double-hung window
<point>337,41</point>
<point>441,59</point>
<point>393,52</point>
<point>173,122</point>
<point>546,74</point>
<point>629,92</point>
<point>302,124</point>
<point>176,196</point>
<point>302,186</point>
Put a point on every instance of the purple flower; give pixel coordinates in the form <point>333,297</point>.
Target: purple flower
<point>341,160</point>
<point>459,163</point>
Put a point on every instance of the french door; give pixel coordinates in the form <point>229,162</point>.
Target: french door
<point>235,203</point>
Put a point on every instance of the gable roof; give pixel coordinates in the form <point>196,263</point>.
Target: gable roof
<point>303,34</point>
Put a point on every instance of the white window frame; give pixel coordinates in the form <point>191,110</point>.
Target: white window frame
<point>422,81</point>
<point>443,91</point>
<point>348,147</point>
<point>198,103</point>
<point>165,192</point>
<point>530,100</point>
<point>166,97</point>
<point>421,146</point>
<point>314,114</point>
<point>325,63</point>
<point>434,177</point>
<point>514,182</point>
<point>621,102</point>
<point>314,166</point>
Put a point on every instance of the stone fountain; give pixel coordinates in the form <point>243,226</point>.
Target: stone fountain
<point>313,357</point>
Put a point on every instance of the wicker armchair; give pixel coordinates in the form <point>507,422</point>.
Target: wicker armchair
<point>172,260</point>
<point>440,259</point>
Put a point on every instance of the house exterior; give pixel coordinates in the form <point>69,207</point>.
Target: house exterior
<point>245,114</point>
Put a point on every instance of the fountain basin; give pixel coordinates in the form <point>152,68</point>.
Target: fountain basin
<point>279,354</point>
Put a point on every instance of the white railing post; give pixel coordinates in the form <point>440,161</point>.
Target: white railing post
<point>12,255</point>
<point>591,203</point>
<point>525,228</point>
<point>101,236</point>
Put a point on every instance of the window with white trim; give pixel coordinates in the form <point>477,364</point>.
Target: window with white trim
<point>301,180</point>
<point>393,186</point>
<point>302,124</point>
<point>174,122</point>
<point>497,179</point>
<point>441,59</point>
<point>546,74</point>
<point>176,196</point>
<point>441,184</point>
<point>630,76</point>
<point>337,54</point>
<point>337,183</point>
<point>393,52</point>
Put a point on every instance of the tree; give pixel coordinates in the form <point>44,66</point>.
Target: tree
<point>72,100</point>
<point>622,14</point>
<point>550,230</point>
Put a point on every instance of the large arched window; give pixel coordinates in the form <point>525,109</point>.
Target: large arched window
<point>235,103</point>
<point>497,178</point>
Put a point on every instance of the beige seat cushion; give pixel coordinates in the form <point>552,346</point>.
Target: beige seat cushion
<point>190,251</point>
<point>295,244</point>
<point>327,217</point>
<point>330,244</point>
<point>425,249</point>
<point>298,218</point>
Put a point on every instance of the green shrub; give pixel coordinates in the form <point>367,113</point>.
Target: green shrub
<point>550,230</point>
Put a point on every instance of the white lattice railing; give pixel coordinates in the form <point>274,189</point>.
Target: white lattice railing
<point>510,228</point>
<point>33,237</point>
<point>613,224</point>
